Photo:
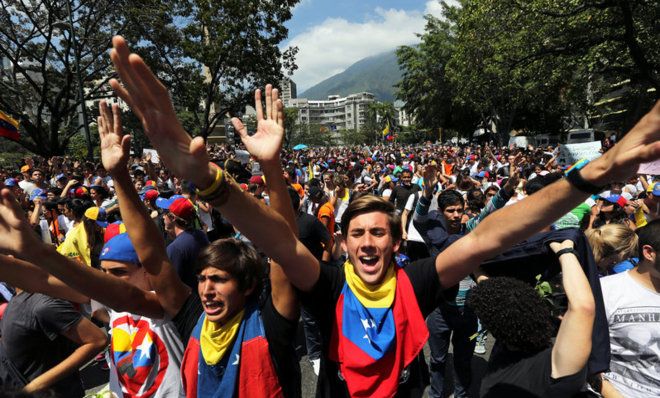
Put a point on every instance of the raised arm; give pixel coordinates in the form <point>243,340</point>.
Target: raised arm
<point>265,146</point>
<point>33,279</point>
<point>573,345</point>
<point>18,240</point>
<point>147,240</point>
<point>185,157</point>
<point>512,224</point>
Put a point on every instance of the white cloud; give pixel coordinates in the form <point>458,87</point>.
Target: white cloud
<point>332,46</point>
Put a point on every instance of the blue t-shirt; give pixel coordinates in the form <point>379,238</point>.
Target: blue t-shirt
<point>183,252</point>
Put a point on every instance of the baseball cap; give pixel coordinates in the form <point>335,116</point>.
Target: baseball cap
<point>616,199</point>
<point>37,192</point>
<point>656,189</point>
<point>256,180</point>
<point>182,208</point>
<point>151,194</point>
<point>119,248</point>
<point>97,214</point>
<point>165,203</point>
<point>60,177</point>
<point>25,169</point>
<point>81,192</point>
<point>11,182</point>
<point>113,230</point>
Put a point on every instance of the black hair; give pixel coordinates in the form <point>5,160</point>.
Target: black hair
<point>78,207</point>
<point>649,235</point>
<point>513,312</point>
<point>450,197</point>
<point>535,184</point>
<point>295,199</point>
<point>238,259</point>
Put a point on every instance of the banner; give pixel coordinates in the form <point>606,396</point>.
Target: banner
<point>154,155</point>
<point>571,153</point>
<point>652,168</point>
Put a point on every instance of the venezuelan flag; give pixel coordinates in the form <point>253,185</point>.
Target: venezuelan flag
<point>386,130</point>
<point>8,127</point>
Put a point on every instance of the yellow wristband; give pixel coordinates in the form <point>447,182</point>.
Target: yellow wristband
<point>219,178</point>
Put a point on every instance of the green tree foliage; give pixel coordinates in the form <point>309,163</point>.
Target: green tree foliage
<point>378,115</point>
<point>211,54</point>
<point>38,81</point>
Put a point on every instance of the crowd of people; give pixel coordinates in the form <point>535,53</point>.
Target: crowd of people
<point>189,272</point>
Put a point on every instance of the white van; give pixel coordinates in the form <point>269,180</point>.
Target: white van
<point>521,141</point>
<point>544,140</point>
<point>577,136</point>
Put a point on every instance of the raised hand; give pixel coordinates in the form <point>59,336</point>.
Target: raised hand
<point>115,146</point>
<point>266,143</point>
<point>16,236</point>
<point>151,103</point>
<point>430,179</point>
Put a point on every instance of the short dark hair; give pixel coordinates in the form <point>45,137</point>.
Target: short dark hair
<point>649,235</point>
<point>238,259</point>
<point>450,197</point>
<point>368,204</point>
<point>513,312</point>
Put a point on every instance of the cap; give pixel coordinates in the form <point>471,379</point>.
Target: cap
<point>150,183</point>
<point>182,208</point>
<point>151,194</point>
<point>97,214</point>
<point>616,199</point>
<point>81,192</point>
<point>37,192</point>
<point>656,189</point>
<point>60,177</point>
<point>11,182</point>
<point>165,203</point>
<point>256,180</point>
<point>25,169</point>
<point>119,248</point>
<point>113,230</point>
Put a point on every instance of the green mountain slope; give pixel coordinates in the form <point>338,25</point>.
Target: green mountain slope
<point>377,74</point>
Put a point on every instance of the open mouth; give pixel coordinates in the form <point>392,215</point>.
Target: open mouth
<point>213,307</point>
<point>369,262</point>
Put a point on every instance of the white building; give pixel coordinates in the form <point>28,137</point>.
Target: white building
<point>336,113</point>
<point>288,91</point>
<point>403,119</point>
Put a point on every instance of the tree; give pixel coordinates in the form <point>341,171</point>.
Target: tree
<point>218,52</point>
<point>39,81</point>
<point>378,115</point>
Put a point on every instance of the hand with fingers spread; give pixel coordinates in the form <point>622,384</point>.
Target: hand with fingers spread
<point>151,103</point>
<point>16,236</point>
<point>266,143</point>
<point>115,146</point>
<point>430,179</point>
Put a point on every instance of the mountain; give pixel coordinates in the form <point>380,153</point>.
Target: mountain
<point>376,74</point>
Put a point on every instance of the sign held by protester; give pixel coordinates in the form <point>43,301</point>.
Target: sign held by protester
<point>153,153</point>
<point>571,153</point>
<point>652,168</point>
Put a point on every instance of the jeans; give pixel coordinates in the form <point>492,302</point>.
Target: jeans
<point>441,323</point>
<point>312,335</point>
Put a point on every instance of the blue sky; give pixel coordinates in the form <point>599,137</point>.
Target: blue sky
<point>332,35</point>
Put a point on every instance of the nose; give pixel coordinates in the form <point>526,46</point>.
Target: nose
<point>207,287</point>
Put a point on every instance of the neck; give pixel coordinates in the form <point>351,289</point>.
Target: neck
<point>647,275</point>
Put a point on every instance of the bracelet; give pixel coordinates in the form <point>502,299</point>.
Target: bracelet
<point>574,177</point>
<point>220,196</point>
<point>567,250</point>
<point>215,185</point>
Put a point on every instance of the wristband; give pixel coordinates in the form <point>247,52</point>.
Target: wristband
<point>215,185</point>
<point>567,250</point>
<point>574,177</point>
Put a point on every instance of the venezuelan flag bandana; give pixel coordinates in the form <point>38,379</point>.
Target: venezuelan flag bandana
<point>378,332</point>
<point>372,305</point>
<point>214,339</point>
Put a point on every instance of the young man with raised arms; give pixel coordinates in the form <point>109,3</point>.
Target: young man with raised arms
<point>361,293</point>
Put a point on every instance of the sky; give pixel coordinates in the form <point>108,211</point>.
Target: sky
<point>332,35</point>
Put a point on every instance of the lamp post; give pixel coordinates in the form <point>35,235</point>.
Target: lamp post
<point>81,91</point>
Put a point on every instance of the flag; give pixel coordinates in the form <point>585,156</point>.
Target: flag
<point>8,127</point>
<point>386,130</point>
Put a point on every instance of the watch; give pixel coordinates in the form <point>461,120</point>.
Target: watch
<point>575,178</point>
<point>567,250</point>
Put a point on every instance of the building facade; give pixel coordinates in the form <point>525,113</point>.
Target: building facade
<point>288,91</point>
<point>335,113</point>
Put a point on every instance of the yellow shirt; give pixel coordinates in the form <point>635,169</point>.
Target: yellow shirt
<point>75,245</point>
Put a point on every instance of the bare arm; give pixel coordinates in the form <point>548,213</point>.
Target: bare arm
<point>91,341</point>
<point>609,391</point>
<point>186,157</point>
<point>573,345</point>
<point>147,240</point>
<point>497,232</point>
<point>282,292</point>
<point>31,278</point>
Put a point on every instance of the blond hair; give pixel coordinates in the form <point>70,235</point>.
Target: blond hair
<point>612,239</point>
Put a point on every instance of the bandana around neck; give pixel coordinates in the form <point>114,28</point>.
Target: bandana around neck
<point>368,320</point>
<point>215,339</point>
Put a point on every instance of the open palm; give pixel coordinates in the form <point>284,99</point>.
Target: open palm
<point>115,146</point>
<point>266,143</point>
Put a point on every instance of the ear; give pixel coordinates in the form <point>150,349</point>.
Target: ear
<point>344,248</point>
<point>649,253</point>
<point>395,246</point>
<point>250,290</point>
